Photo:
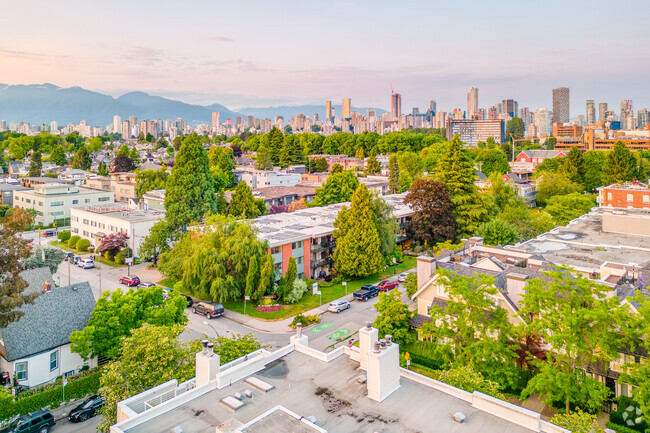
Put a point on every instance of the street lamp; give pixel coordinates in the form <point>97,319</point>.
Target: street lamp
<point>215,331</point>
<point>394,264</point>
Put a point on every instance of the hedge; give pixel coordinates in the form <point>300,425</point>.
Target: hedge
<point>51,396</point>
<point>119,258</point>
<point>64,236</point>
<point>83,245</point>
<point>72,242</point>
<point>616,417</point>
<point>620,428</point>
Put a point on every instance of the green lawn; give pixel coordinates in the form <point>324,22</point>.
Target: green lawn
<point>309,301</point>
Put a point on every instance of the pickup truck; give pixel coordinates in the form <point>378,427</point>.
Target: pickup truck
<point>366,292</point>
<point>386,285</point>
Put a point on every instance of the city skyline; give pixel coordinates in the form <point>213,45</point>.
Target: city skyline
<point>253,61</point>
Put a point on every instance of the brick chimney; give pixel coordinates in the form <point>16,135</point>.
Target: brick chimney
<point>47,286</point>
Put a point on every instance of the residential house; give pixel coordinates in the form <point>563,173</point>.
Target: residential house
<point>36,348</point>
<point>526,161</point>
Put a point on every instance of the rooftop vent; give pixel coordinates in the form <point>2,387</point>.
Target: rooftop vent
<point>459,417</point>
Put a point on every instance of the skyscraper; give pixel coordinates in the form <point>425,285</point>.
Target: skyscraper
<point>328,111</point>
<point>472,102</point>
<point>643,119</point>
<point>602,111</point>
<point>215,121</point>
<point>561,105</point>
<point>117,124</point>
<point>126,130</point>
<point>510,107</point>
<point>591,111</point>
<point>627,115</point>
<point>432,106</point>
<point>347,108</point>
<point>395,106</point>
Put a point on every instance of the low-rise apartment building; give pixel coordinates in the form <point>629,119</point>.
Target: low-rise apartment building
<point>267,178</point>
<point>630,195</point>
<point>347,162</point>
<point>122,184</point>
<point>306,235</point>
<point>154,199</point>
<point>52,202</point>
<point>473,131</point>
<point>95,222</point>
<point>7,191</point>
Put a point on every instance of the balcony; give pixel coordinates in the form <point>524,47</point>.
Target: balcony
<point>321,262</point>
<point>322,246</point>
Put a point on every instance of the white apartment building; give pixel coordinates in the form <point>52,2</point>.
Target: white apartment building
<point>96,221</point>
<point>53,201</point>
<point>265,179</point>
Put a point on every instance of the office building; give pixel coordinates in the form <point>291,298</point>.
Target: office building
<point>126,130</point>
<point>643,119</point>
<point>93,222</point>
<point>591,112</point>
<point>328,111</point>
<point>561,105</point>
<point>566,130</point>
<point>543,122</point>
<point>52,202</point>
<point>473,131</point>
<point>472,103</point>
<point>347,108</point>
<point>395,106</point>
<point>215,121</point>
<point>602,111</point>
<point>509,107</point>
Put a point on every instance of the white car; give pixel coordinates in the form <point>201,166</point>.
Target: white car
<point>402,277</point>
<point>86,263</point>
<point>338,306</point>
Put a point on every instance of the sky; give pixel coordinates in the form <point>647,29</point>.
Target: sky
<point>263,53</point>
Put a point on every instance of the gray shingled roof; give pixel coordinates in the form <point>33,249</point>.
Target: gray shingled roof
<point>48,323</point>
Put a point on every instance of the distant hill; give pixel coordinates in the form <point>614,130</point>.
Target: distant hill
<point>308,110</point>
<point>42,103</point>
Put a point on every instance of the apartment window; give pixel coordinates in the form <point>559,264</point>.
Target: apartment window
<point>58,213</point>
<point>28,200</point>
<point>56,203</point>
<point>278,266</point>
<point>609,196</point>
<point>296,245</point>
<point>276,250</point>
<point>85,233</point>
<point>75,201</point>
<point>54,360</point>
<point>299,260</point>
<point>75,230</point>
<point>85,221</point>
<point>40,203</point>
<point>21,370</point>
<point>68,373</point>
<point>87,200</point>
<point>104,198</point>
<point>646,199</point>
<point>630,198</point>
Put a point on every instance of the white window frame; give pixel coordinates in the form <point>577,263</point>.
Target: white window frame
<point>56,360</point>
<point>17,372</point>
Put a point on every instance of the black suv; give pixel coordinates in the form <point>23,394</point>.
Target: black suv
<point>35,422</point>
<point>209,310</point>
<point>89,408</point>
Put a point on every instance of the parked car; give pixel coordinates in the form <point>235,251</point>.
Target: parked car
<point>338,306</point>
<point>386,285</point>
<point>167,291</point>
<point>402,277</point>
<point>76,260</point>
<point>50,232</point>
<point>86,263</point>
<point>88,409</point>
<point>34,422</point>
<point>69,257</point>
<point>366,292</point>
<point>209,310</point>
<point>130,280</point>
<point>146,285</point>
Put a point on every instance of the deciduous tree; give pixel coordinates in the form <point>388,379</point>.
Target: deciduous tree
<point>497,232</point>
<point>82,159</point>
<point>574,166</point>
<point>434,220</point>
<point>112,243</point>
<point>149,180</point>
<point>122,163</point>
<point>552,184</point>
<point>157,241</point>
<point>50,257</point>
<point>492,161</point>
<point>393,317</point>
<point>338,188</point>
<point>393,176</point>
<point>57,157</point>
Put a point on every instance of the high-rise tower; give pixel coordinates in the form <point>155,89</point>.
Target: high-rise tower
<point>472,102</point>
<point>602,111</point>
<point>347,108</point>
<point>561,105</point>
<point>591,111</point>
<point>395,106</point>
<point>328,111</point>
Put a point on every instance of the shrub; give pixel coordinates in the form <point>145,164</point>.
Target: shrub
<point>619,428</point>
<point>83,244</point>
<point>268,309</point>
<point>91,249</point>
<point>337,280</point>
<point>299,290</point>
<point>107,255</point>
<point>307,320</point>
<point>72,242</point>
<point>119,258</point>
<point>628,410</point>
<point>64,236</point>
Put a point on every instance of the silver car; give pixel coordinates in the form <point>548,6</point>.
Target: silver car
<point>338,306</point>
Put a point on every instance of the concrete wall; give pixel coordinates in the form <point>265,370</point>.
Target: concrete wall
<point>627,224</point>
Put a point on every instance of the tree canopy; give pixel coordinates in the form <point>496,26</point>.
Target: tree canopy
<point>242,204</point>
<point>338,188</point>
<point>434,220</point>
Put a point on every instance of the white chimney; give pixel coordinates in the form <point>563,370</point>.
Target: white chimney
<point>367,338</point>
<point>383,369</point>
<point>207,364</point>
<point>426,266</point>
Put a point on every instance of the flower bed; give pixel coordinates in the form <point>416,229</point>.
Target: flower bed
<point>268,308</point>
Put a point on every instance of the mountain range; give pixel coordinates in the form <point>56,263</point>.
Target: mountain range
<point>43,103</point>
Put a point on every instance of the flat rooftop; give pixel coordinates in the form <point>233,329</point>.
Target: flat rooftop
<point>280,229</point>
<point>583,243</point>
<point>124,214</point>
<point>340,405</point>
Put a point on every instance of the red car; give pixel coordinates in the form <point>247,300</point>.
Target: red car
<point>130,280</point>
<point>385,285</point>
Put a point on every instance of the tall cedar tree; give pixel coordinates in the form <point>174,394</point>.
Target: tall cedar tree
<point>473,329</point>
<point>190,192</point>
<point>286,286</point>
<point>455,170</point>
<point>434,220</point>
<point>393,177</point>
<point>581,323</point>
<point>620,165</point>
<point>102,170</point>
<point>338,188</point>
<point>267,277</point>
<point>253,277</point>
<point>82,159</point>
<point>263,159</point>
<point>222,162</point>
<point>36,164</point>
<point>291,151</point>
<point>274,143</point>
<point>242,204</point>
<point>358,247</point>
<point>574,166</point>
<point>14,251</point>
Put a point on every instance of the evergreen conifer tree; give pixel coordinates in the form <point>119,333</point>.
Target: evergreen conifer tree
<point>393,177</point>
<point>574,166</point>
<point>275,141</point>
<point>36,164</point>
<point>266,277</point>
<point>242,204</point>
<point>620,165</point>
<point>253,276</point>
